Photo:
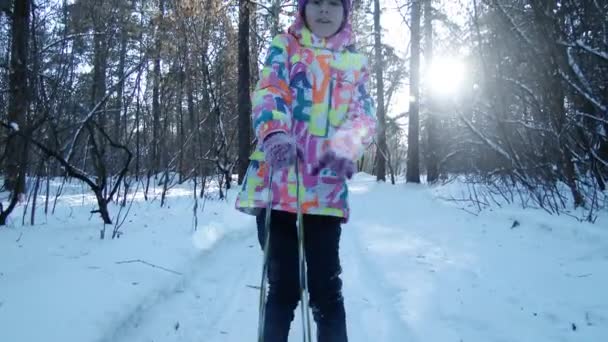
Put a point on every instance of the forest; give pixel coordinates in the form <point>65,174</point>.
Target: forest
<point>122,95</point>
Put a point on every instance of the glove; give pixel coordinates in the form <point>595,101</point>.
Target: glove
<point>343,167</point>
<point>279,150</point>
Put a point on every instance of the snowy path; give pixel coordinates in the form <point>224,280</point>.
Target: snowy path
<point>415,269</point>
<point>219,300</point>
<point>214,302</point>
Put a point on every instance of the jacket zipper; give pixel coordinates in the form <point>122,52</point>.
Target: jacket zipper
<point>331,91</point>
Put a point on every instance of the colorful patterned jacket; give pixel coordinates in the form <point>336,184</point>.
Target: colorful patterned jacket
<point>314,89</point>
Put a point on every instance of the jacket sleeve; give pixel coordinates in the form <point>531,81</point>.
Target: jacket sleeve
<point>271,99</point>
<point>359,129</point>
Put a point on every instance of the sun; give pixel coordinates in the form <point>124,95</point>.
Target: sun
<point>445,76</point>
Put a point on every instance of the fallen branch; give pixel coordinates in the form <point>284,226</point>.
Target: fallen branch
<point>149,264</point>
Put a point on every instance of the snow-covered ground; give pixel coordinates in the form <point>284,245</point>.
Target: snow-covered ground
<point>416,268</point>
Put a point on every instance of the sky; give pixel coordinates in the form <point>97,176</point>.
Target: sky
<point>447,76</point>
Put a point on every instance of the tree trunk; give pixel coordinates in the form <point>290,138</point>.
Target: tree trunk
<point>34,199</point>
<point>103,207</point>
<point>48,189</point>
<point>556,95</point>
<point>432,167</point>
<point>413,157</point>
<point>181,128</point>
<point>98,92</point>
<point>138,131</point>
<point>139,127</point>
<point>380,159</point>
<point>276,17</point>
<point>193,121</point>
<point>155,165</point>
<point>253,51</point>
<point>244,99</point>
<point>19,91</point>
<point>100,61</point>
<point>121,86</point>
<point>556,98</point>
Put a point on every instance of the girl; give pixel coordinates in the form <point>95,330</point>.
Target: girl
<point>310,103</point>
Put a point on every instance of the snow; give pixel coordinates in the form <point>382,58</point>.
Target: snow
<point>416,268</point>
<point>14,126</point>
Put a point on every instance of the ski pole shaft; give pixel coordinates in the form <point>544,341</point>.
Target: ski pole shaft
<point>302,259</point>
<point>302,262</point>
<point>262,309</point>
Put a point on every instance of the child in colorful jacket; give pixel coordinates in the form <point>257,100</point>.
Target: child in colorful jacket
<point>311,103</point>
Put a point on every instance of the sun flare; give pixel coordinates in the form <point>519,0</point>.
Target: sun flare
<point>445,75</point>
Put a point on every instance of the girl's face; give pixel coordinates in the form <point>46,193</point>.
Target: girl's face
<point>324,17</point>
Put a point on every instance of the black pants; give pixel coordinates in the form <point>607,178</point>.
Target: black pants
<point>321,243</point>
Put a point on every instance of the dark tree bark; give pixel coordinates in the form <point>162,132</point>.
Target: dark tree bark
<point>18,102</point>
<point>18,94</point>
<point>413,154</point>
<point>556,94</point>
<point>156,149</point>
<point>432,167</point>
<point>244,99</point>
<point>380,157</point>
<point>118,111</point>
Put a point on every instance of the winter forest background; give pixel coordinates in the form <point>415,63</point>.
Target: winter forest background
<point>508,96</point>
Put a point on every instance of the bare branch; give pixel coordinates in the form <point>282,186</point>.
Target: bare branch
<point>602,120</point>
<point>598,53</point>
<point>530,125</point>
<point>97,106</point>
<point>586,95</point>
<point>69,37</point>
<point>515,27</point>
<point>486,140</point>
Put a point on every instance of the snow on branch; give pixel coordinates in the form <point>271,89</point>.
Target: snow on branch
<point>598,53</point>
<point>530,124</point>
<point>598,158</point>
<point>525,88</point>
<point>602,120</point>
<point>516,27</point>
<point>585,94</point>
<point>578,72</point>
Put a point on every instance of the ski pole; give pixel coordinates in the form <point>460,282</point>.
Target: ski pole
<point>302,263</point>
<point>262,309</point>
<point>302,259</point>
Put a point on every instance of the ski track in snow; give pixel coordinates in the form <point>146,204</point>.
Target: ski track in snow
<point>368,302</point>
<point>200,307</point>
<point>218,300</point>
